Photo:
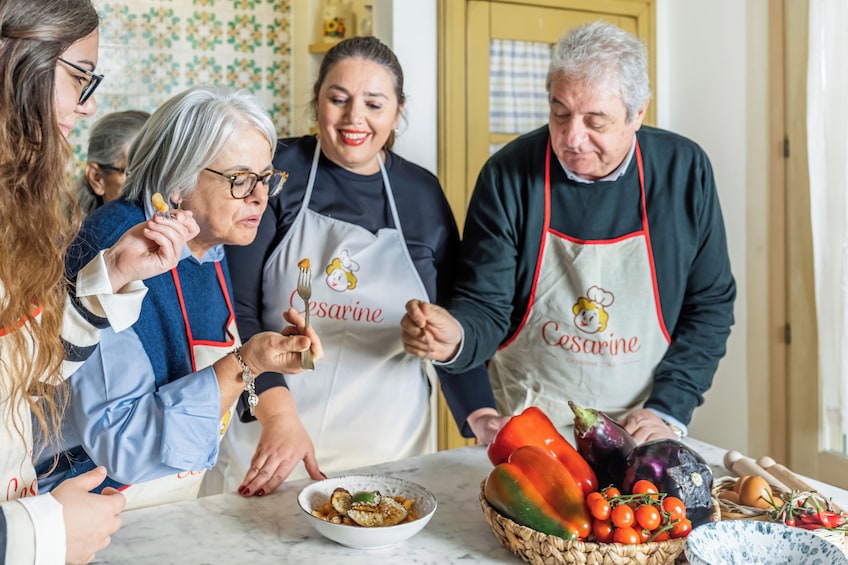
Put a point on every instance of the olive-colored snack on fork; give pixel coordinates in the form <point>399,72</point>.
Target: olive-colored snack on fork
<point>304,290</point>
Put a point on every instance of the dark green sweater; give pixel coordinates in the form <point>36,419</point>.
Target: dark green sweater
<point>502,238</point>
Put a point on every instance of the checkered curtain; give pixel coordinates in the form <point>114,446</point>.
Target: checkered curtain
<point>152,49</point>
<point>518,102</point>
<point>827,139</point>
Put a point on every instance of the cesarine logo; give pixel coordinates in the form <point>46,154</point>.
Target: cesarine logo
<point>591,317</point>
<point>341,277</point>
<point>340,273</point>
<point>590,311</point>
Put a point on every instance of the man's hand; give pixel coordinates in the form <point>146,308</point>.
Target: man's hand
<point>486,423</point>
<point>644,426</point>
<point>429,331</point>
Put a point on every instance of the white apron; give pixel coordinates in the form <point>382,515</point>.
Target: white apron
<point>17,475</point>
<point>186,485</point>
<point>593,331</point>
<point>367,401</point>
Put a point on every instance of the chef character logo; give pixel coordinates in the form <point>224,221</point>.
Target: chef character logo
<point>590,314</point>
<point>340,272</point>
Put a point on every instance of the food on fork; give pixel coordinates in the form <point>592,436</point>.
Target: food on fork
<point>160,204</point>
<point>303,264</point>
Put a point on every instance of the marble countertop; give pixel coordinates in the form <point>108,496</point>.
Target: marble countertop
<point>272,529</point>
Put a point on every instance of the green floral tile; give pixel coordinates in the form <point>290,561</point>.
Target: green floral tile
<point>161,73</point>
<point>203,70</point>
<point>118,25</point>
<point>153,49</point>
<point>245,34</point>
<point>204,31</point>
<point>161,27</point>
<point>245,73</point>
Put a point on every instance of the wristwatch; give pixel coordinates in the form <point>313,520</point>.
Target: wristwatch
<point>675,428</point>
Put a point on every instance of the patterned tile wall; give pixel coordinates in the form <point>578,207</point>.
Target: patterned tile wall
<point>153,49</point>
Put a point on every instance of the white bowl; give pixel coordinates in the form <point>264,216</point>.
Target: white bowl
<point>318,493</point>
<point>763,543</point>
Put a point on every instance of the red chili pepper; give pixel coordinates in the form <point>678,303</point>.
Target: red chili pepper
<point>829,519</point>
<point>810,526</point>
<point>790,522</point>
<point>533,427</point>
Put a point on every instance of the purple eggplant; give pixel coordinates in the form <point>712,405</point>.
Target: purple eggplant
<point>602,442</point>
<point>675,469</point>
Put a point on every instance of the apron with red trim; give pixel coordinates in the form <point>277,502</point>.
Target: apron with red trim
<point>204,353</point>
<point>17,475</point>
<point>593,331</point>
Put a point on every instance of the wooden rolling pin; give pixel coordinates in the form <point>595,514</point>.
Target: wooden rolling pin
<point>742,465</point>
<point>791,480</point>
<point>787,476</point>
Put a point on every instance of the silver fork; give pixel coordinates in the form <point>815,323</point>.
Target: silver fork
<point>304,290</point>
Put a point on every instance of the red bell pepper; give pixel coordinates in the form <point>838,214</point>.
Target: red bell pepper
<point>533,427</point>
<point>536,490</point>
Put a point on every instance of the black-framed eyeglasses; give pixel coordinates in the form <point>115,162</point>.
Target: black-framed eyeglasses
<point>242,183</point>
<point>121,170</point>
<point>93,81</point>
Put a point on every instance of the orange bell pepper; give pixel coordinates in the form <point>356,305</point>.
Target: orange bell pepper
<point>533,427</point>
<point>537,491</point>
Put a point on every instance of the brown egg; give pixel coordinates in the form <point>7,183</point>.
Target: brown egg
<point>729,495</point>
<point>756,492</point>
<point>737,486</point>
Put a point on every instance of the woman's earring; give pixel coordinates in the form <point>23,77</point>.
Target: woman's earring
<point>397,131</point>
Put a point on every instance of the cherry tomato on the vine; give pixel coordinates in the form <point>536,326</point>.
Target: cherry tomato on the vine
<point>663,536</point>
<point>644,535</point>
<point>602,530</point>
<point>681,529</point>
<point>674,507</point>
<point>625,535</point>
<point>598,506</point>
<point>610,492</point>
<point>622,516</point>
<point>648,517</point>
<point>644,486</point>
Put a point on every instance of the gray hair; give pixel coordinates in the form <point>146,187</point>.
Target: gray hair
<point>107,144</point>
<point>186,134</point>
<point>602,55</point>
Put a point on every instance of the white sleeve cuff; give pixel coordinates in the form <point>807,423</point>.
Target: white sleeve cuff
<point>672,422</point>
<point>45,543</point>
<point>94,291</point>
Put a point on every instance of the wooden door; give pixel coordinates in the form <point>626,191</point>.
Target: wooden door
<point>815,446</point>
<point>469,31</point>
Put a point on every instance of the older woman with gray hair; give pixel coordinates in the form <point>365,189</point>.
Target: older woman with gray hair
<point>153,401</point>
<point>592,212</point>
<point>106,168</point>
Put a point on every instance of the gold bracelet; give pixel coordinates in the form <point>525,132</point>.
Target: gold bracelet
<point>249,381</point>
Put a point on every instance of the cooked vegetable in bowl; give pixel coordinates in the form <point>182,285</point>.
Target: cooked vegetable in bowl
<point>367,511</point>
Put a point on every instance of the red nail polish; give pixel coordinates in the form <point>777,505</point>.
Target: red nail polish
<point>260,492</point>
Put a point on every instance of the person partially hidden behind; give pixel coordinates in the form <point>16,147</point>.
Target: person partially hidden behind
<point>105,170</point>
<point>594,262</point>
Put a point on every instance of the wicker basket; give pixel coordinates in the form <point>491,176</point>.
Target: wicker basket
<point>732,511</point>
<point>541,549</point>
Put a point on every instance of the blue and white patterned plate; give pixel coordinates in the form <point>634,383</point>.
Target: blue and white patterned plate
<point>765,543</point>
